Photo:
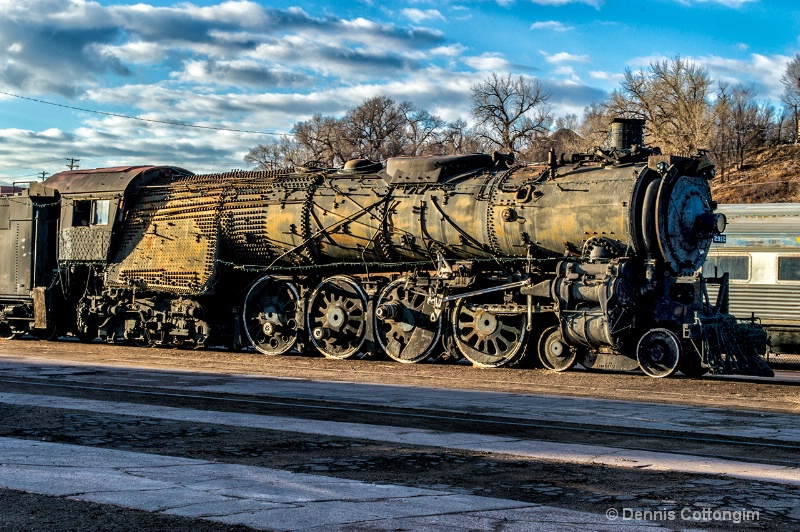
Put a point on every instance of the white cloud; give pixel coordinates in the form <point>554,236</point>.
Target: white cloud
<point>611,77</point>
<point>568,74</point>
<point>565,57</point>
<point>137,52</point>
<point>594,3</point>
<point>767,70</point>
<point>551,25</point>
<point>419,15</point>
<point>735,4</point>
<point>453,50</point>
<point>488,62</point>
<point>554,3</point>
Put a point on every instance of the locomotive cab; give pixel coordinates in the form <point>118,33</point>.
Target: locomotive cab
<point>92,209</point>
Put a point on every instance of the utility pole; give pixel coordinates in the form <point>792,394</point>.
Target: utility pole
<point>43,174</point>
<point>72,163</point>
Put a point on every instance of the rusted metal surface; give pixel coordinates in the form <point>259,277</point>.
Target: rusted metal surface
<point>106,180</point>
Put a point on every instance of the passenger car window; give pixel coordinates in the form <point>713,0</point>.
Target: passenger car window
<point>737,266</point>
<point>789,268</point>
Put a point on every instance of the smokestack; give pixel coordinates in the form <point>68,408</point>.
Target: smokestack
<point>626,132</point>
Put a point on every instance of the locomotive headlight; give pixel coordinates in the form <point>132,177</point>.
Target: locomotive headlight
<point>710,223</point>
<point>721,222</point>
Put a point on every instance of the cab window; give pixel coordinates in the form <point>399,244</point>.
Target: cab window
<point>100,211</point>
<point>81,212</point>
<point>90,212</point>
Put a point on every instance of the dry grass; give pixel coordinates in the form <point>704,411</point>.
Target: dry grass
<point>769,175</point>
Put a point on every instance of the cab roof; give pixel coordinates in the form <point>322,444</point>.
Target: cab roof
<point>120,179</point>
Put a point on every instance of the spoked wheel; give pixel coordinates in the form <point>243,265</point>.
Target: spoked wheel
<point>487,338</point>
<point>403,327</point>
<point>659,352</point>
<point>269,316</point>
<point>554,353</point>
<point>337,317</point>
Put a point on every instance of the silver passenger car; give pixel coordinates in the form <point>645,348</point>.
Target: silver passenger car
<point>760,250</point>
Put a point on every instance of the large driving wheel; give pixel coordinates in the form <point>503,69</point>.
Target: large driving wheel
<point>403,327</point>
<point>487,337</point>
<point>337,317</point>
<point>269,316</point>
<point>659,352</point>
<point>554,353</point>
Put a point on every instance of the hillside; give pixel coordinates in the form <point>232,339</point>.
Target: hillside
<point>769,175</point>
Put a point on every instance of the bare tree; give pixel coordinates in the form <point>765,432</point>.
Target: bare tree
<point>742,123</point>
<point>422,130</point>
<point>595,125</point>
<point>283,153</point>
<point>783,127</point>
<point>376,128</point>
<point>325,139</point>
<point>673,98</point>
<point>510,113</point>
<point>721,139</point>
<point>568,121</point>
<point>791,92</point>
<point>459,138</point>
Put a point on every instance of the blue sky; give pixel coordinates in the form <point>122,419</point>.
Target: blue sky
<point>258,67</point>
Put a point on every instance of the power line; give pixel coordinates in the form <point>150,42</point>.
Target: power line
<point>117,115</point>
<point>29,166</point>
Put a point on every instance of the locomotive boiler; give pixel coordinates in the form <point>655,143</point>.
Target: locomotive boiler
<point>588,258</point>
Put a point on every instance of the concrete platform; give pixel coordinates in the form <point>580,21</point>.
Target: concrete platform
<point>267,498</point>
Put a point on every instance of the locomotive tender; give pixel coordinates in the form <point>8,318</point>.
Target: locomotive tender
<point>589,258</point>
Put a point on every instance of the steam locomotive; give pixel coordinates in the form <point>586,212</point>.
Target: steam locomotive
<point>589,258</point>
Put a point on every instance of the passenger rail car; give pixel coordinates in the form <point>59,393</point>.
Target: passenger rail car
<point>590,258</point>
<point>761,255</point>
